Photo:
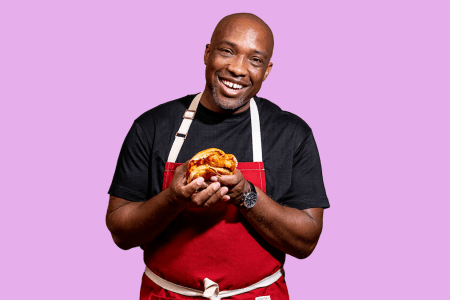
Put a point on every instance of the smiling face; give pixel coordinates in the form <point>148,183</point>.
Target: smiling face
<point>237,62</point>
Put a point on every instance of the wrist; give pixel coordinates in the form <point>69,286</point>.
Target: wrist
<point>247,189</point>
<point>249,197</point>
<point>172,199</point>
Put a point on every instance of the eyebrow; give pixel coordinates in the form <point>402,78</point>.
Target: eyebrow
<point>234,45</point>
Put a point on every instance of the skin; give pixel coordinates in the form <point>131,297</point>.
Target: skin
<point>240,52</point>
<point>138,223</point>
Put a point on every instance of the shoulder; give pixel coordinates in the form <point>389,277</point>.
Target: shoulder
<point>275,118</point>
<point>165,112</point>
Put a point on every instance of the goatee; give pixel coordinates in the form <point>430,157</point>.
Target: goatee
<point>230,106</point>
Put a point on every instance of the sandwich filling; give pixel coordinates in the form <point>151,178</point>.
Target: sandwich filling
<point>211,162</point>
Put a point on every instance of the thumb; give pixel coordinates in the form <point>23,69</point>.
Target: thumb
<point>193,186</point>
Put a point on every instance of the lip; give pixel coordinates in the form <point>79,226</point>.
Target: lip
<point>229,91</point>
<point>233,81</point>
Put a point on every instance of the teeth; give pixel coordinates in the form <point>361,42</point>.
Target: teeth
<point>232,85</point>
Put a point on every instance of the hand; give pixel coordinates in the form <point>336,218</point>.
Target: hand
<point>237,186</point>
<point>195,194</point>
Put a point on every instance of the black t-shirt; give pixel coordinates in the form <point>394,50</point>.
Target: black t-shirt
<point>290,155</point>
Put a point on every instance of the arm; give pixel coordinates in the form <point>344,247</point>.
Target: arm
<point>291,230</point>
<point>137,223</point>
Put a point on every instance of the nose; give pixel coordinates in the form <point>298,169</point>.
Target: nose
<point>238,66</point>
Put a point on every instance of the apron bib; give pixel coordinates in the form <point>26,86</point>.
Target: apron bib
<point>217,243</point>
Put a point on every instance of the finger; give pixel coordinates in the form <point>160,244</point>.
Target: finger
<point>217,197</point>
<point>201,197</point>
<point>205,184</point>
<point>193,187</point>
<point>229,179</point>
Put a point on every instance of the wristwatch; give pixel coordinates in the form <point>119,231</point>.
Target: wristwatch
<point>248,200</point>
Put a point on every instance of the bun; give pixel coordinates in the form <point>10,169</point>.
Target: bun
<point>211,162</point>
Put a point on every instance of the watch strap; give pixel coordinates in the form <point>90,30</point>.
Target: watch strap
<point>249,199</point>
<point>252,187</point>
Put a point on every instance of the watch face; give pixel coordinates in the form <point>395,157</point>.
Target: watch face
<point>250,199</point>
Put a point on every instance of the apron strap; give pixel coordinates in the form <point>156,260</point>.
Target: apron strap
<point>256,132</point>
<point>181,135</point>
<point>211,288</point>
<point>188,117</point>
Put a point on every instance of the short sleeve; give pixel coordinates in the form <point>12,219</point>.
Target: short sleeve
<point>131,177</point>
<point>307,189</point>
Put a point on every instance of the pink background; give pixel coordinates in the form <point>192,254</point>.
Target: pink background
<point>370,77</point>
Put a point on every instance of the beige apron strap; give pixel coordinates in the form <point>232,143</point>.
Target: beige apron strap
<point>181,135</point>
<point>211,288</point>
<point>167,285</point>
<point>188,117</point>
<point>256,132</point>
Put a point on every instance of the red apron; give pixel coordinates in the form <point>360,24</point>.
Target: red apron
<point>215,242</point>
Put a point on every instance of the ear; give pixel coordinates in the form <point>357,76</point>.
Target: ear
<point>269,68</point>
<point>207,52</point>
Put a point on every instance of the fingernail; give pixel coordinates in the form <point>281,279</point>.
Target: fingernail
<point>216,186</point>
<point>200,181</point>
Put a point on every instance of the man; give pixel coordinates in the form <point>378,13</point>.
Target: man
<point>212,239</point>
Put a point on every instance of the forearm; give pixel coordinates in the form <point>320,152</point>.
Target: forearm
<point>293,231</point>
<point>137,223</point>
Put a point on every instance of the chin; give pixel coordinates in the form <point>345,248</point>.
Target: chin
<point>229,104</point>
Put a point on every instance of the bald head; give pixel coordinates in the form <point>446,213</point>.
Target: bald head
<point>231,22</point>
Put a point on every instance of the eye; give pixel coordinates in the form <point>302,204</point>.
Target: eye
<point>226,51</point>
<point>256,61</point>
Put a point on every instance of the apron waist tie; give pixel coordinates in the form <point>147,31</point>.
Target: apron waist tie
<point>211,288</point>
